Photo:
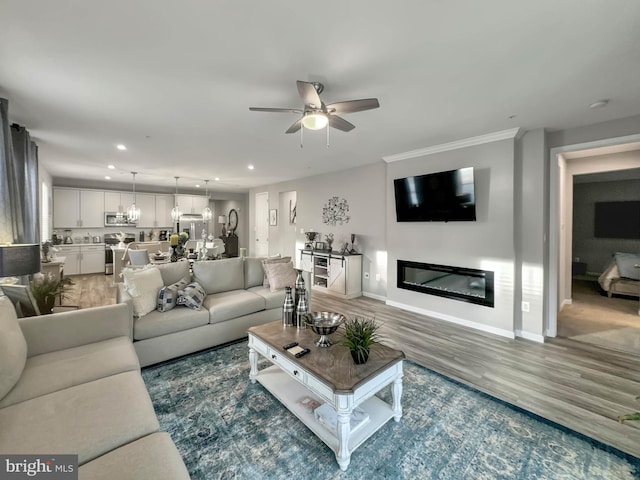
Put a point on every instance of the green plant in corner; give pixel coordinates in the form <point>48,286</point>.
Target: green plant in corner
<point>47,288</point>
<point>630,416</point>
<point>360,333</point>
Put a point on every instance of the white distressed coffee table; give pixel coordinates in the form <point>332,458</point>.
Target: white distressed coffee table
<point>327,375</point>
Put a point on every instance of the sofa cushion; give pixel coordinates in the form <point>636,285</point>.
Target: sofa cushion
<point>192,296</point>
<point>236,303</point>
<point>154,456</point>
<point>161,323</point>
<point>168,296</point>
<point>278,259</point>
<point>253,271</point>
<point>174,272</point>
<point>217,276</point>
<point>272,299</point>
<point>280,275</point>
<point>90,419</point>
<point>54,371</point>
<point>13,347</point>
<point>143,284</point>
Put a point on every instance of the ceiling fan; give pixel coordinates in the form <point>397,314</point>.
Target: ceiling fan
<point>316,115</point>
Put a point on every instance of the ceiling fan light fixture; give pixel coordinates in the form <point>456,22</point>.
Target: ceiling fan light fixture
<point>315,120</point>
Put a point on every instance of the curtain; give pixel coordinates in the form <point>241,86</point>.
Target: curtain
<point>18,182</point>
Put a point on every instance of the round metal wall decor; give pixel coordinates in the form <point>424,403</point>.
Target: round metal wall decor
<point>336,210</point>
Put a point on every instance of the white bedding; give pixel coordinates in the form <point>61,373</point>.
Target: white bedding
<point>609,274</point>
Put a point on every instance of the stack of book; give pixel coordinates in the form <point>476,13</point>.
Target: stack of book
<point>326,415</point>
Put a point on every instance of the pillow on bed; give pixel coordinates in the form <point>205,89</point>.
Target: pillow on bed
<point>626,265</point>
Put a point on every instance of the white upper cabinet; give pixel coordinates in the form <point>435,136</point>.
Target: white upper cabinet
<point>78,208</point>
<point>117,201</point>
<point>147,205</point>
<point>192,204</point>
<point>164,204</point>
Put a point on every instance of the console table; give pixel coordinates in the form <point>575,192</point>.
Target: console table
<point>334,273</point>
<point>327,375</point>
<point>230,245</point>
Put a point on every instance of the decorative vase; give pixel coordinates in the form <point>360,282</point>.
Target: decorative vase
<point>288,308</point>
<point>302,310</point>
<point>360,356</point>
<point>299,287</point>
<point>174,254</point>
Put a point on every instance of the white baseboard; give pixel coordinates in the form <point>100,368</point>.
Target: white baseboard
<point>452,319</point>
<point>534,337</point>
<point>374,296</point>
<point>567,301</point>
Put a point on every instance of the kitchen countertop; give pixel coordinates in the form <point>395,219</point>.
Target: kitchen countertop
<point>77,244</point>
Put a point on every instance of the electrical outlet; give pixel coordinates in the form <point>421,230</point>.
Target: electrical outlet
<point>366,275</point>
<point>525,306</point>
<point>377,277</point>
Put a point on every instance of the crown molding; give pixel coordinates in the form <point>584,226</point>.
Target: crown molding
<point>464,143</point>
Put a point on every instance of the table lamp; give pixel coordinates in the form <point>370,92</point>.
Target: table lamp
<point>222,220</point>
<point>17,260</point>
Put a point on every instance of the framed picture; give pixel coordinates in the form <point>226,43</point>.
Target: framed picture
<point>345,249</point>
<point>273,217</point>
<point>292,211</point>
<point>319,246</point>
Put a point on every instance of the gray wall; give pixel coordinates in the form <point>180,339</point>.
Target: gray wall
<point>597,252</point>
<point>364,190</point>
<point>486,244</point>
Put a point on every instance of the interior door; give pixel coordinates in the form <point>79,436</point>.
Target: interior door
<point>262,224</point>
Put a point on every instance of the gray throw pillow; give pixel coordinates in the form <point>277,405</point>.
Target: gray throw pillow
<point>265,280</point>
<point>280,275</point>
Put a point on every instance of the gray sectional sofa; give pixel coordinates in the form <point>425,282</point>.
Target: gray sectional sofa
<point>70,383</point>
<point>235,300</point>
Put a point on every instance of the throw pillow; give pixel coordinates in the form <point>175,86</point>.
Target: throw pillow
<point>192,296</point>
<point>143,284</point>
<point>168,296</point>
<point>280,275</point>
<point>265,282</point>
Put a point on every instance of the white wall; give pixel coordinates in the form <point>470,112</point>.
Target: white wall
<point>45,177</point>
<point>486,244</point>
<point>364,190</point>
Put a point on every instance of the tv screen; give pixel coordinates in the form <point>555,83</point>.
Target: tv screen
<point>436,197</point>
<point>617,220</point>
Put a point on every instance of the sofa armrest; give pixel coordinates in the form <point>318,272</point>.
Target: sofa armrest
<point>122,296</point>
<point>49,333</point>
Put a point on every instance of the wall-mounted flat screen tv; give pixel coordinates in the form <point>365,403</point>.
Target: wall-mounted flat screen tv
<point>436,197</point>
<point>617,220</point>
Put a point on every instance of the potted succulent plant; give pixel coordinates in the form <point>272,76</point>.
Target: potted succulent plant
<point>45,290</point>
<point>630,416</point>
<point>360,333</point>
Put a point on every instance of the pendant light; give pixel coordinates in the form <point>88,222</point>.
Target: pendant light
<point>176,213</point>
<point>207,214</point>
<point>133,212</point>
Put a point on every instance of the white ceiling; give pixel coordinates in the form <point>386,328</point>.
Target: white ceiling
<point>174,80</point>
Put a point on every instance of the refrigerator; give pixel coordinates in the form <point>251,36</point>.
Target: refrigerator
<point>193,225</point>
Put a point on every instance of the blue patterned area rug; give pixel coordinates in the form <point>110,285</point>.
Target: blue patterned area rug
<point>227,428</point>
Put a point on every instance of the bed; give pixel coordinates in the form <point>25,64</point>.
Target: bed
<point>622,276</point>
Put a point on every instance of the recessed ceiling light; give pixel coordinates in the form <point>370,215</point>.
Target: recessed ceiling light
<point>599,104</point>
<point>107,177</point>
<point>250,167</point>
<point>197,185</point>
<point>121,147</point>
<point>111,167</point>
<point>217,179</point>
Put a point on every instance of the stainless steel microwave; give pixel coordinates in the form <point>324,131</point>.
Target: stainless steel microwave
<point>115,219</point>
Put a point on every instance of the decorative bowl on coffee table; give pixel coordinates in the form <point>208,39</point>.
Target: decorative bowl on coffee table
<point>324,323</point>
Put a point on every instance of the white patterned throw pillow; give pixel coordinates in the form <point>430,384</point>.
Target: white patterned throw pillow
<point>168,296</point>
<point>192,296</point>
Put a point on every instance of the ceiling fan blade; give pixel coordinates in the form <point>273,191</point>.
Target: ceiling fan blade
<point>309,94</point>
<point>283,110</point>
<point>352,106</point>
<point>295,127</point>
<point>340,123</point>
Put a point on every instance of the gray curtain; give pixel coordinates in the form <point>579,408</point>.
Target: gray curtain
<point>19,220</point>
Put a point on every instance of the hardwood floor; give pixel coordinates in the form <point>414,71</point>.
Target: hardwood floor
<point>580,386</point>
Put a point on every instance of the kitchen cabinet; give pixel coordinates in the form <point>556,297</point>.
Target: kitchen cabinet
<point>117,201</point>
<point>81,259</point>
<point>164,204</point>
<point>333,273</point>
<point>78,208</point>
<point>147,205</point>
<point>193,204</point>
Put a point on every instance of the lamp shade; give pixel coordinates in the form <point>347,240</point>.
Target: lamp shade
<point>19,259</point>
<point>222,219</point>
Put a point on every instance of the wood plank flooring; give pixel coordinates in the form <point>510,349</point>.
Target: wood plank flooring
<point>580,386</point>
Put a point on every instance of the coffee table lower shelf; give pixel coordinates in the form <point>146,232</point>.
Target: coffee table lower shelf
<point>288,391</point>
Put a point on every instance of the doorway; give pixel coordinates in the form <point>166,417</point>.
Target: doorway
<point>564,293</point>
<point>262,224</point>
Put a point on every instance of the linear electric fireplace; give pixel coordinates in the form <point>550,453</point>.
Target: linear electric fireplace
<point>457,283</point>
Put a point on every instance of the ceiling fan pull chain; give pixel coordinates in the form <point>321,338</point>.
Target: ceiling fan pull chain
<point>301,137</point>
<point>327,136</point>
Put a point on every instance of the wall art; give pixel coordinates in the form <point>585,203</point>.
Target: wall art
<point>273,217</point>
<point>336,210</point>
